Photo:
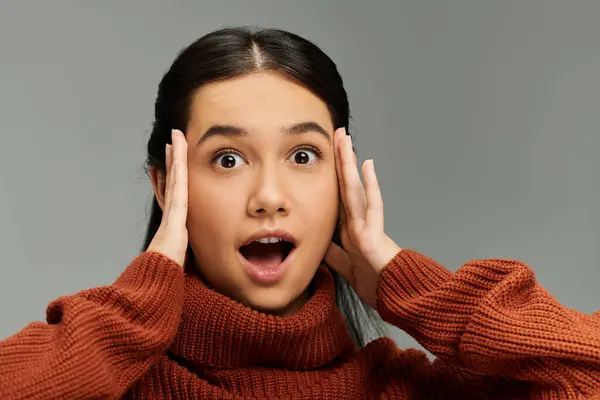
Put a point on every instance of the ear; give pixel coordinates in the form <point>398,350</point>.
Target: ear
<point>159,183</point>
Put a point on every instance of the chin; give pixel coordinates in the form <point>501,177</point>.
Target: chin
<point>274,300</point>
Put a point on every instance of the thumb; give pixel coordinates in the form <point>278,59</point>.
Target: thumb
<point>336,258</point>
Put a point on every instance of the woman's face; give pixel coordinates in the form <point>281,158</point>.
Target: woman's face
<point>261,164</point>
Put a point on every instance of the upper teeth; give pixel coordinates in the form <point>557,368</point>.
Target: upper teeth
<point>269,240</point>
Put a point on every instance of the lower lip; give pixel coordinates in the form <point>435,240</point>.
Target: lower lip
<point>267,276</point>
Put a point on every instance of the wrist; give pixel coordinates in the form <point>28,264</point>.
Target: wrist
<point>386,252</point>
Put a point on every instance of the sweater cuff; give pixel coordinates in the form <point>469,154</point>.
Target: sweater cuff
<point>150,269</point>
<point>408,276</point>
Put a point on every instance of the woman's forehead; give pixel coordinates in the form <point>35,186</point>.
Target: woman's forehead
<point>257,99</point>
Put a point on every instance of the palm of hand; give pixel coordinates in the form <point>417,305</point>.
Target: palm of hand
<point>362,276</point>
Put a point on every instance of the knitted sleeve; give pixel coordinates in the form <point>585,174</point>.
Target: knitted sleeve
<point>96,343</point>
<point>492,326</point>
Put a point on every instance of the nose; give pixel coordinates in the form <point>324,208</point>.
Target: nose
<point>269,197</point>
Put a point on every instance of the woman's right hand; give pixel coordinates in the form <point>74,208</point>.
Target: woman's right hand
<point>171,238</point>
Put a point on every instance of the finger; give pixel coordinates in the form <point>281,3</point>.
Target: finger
<point>179,182</point>
<point>354,192</point>
<point>338,140</point>
<point>338,260</point>
<point>168,149</point>
<point>374,219</point>
<point>169,177</point>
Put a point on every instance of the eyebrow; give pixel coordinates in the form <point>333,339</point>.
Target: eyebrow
<point>234,131</point>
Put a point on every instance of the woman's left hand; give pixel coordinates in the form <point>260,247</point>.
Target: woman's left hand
<point>366,249</point>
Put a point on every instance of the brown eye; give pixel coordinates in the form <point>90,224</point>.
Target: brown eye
<point>229,160</point>
<point>305,156</point>
<point>301,157</point>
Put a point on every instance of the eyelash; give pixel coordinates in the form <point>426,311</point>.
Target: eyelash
<point>221,152</point>
<point>317,152</point>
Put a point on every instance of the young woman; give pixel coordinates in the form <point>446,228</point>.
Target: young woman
<point>258,211</point>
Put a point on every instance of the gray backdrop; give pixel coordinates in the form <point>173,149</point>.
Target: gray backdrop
<point>482,117</point>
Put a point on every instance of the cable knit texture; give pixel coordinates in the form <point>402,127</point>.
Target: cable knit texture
<point>157,333</point>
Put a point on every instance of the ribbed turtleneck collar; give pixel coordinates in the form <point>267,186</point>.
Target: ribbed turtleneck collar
<point>216,331</point>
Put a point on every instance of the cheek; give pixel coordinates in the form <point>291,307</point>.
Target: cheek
<point>213,209</point>
<point>318,202</point>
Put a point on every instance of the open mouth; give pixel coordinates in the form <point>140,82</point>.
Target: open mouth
<point>267,253</point>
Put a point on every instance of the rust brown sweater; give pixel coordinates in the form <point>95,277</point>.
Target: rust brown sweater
<point>158,333</point>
